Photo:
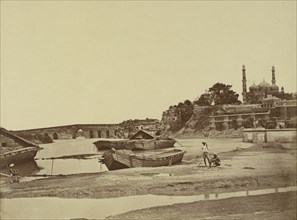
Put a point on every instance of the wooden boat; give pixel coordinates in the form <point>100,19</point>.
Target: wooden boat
<point>120,159</point>
<point>151,144</point>
<point>108,144</point>
<point>142,140</point>
<point>18,156</point>
<point>15,149</point>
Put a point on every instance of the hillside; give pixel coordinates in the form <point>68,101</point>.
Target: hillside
<point>197,125</point>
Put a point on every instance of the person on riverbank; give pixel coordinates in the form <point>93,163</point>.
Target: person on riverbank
<point>205,153</point>
<point>14,174</point>
<point>215,161</point>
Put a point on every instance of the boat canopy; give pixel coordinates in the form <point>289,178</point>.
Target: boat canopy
<point>142,134</point>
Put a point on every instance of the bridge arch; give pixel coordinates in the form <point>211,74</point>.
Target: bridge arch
<point>55,136</point>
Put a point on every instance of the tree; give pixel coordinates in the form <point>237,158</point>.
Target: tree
<point>204,100</point>
<point>223,94</point>
<point>183,111</point>
<point>254,98</point>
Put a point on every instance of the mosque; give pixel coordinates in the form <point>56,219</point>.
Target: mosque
<point>261,91</point>
<point>261,105</point>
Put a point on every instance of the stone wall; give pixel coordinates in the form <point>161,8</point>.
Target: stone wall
<point>269,135</point>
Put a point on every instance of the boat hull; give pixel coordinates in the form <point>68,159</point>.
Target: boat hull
<point>18,156</point>
<point>108,144</point>
<point>143,144</point>
<point>152,144</point>
<point>120,159</point>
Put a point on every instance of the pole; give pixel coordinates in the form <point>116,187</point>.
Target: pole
<point>52,167</point>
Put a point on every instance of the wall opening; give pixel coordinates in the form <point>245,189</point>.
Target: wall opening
<point>91,134</point>
<point>55,136</point>
<point>107,134</point>
<point>99,134</point>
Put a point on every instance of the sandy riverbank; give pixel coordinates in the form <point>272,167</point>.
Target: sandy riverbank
<point>280,206</point>
<point>259,166</point>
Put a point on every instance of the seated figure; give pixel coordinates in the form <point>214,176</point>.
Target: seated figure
<point>215,161</point>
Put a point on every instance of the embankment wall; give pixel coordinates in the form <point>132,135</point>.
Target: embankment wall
<point>269,135</point>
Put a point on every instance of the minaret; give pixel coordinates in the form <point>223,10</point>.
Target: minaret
<point>273,76</point>
<point>243,84</point>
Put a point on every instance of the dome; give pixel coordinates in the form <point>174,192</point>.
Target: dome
<point>254,87</point>
<point>274,87</point>
<point>264,84</point>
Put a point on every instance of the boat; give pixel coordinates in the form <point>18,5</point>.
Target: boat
<point>108,144</point>
<point>15,149</point>
<point>142,140</point>
<point>18,156</point>
<point>120,159</point>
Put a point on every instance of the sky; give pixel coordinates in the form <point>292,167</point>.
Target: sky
<point>92,62</point>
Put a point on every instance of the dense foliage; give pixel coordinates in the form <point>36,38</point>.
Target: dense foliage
<point>218,94</point>
<point>183,112</point>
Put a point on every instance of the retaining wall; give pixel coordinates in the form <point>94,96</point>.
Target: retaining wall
<point>269,135</point>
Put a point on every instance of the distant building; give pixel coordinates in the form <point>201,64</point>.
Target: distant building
<point>235,116</point>
<point>260,91</point>
<point>270,101</point>
<point>272,113</point>
<point>130,127</point>
<point>284,113</point>
<point>150,125</point>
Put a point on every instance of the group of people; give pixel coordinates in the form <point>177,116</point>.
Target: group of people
<point>214,161</point>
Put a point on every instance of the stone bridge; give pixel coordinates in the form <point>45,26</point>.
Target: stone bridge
<point>78,131</point>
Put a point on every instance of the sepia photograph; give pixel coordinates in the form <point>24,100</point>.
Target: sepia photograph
<point>145,109</point>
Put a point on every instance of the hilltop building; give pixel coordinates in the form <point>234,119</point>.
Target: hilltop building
<point>261,103</point>
<point>260,91</point>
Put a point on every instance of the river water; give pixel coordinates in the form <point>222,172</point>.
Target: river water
<point>58,208</point>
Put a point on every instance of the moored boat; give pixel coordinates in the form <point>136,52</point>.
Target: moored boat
<point>15,149</point>
<point>142,140</point>
<point>108,144</point>
<point>18,156</point>
<point>120,159</point>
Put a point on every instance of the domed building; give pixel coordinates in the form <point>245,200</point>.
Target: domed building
<point>258,93</point>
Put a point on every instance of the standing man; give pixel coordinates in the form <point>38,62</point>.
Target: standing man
<point>14,174</point>
<point>205,153</point>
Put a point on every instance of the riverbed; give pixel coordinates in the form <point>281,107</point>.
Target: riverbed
<point>78,156</point>
<point>244,170</point>
<point>57,208</point>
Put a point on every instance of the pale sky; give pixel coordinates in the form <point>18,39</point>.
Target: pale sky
<point>104,62</point>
